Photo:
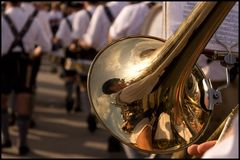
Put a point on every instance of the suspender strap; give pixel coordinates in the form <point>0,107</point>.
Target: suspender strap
<point>69,23</point>
<point>18,40</point>
<point>89,14</point>
<point>34,14</point>
<point>19,35</point>
<point>108,13</point>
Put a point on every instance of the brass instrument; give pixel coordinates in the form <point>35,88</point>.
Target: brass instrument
<point>54,58</point>
<point>162,101</point>
<point>81,66</point>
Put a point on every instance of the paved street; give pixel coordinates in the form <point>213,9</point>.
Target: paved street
<point>58,134</point>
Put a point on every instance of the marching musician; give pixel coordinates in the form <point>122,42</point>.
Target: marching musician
<point>20,34</point>
<point>63,39</point>
<point>96,38</point>
<point>130,20</point>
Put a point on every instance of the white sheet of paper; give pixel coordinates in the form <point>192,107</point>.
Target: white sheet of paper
<point>227,33</point>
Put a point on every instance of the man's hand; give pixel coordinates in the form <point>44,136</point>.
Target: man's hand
<point>37,52</point>
<point>199,149</point>
<point>83,44</point>
<point>73,47</point>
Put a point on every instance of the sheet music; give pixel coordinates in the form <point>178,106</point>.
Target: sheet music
<point>227,33</point>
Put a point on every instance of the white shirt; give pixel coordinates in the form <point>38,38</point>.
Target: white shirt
<point>64,32</point>
<point>28,7</point>
<point>97,33</point>
<point>53,14</point>
<point>228,147</point>
<point>34,36</point>
<point>42,16</point>
<point>81,21</point>
<point>129,21</point>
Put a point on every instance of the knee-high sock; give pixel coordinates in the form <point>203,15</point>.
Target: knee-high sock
<point>4,124</point>
<point>32,103</point>
<point>69,89</point>
<point>78,95</point>
<point>86,103</point>
<point>23,124</point>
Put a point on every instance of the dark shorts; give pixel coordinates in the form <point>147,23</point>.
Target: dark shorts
<point>69,54</point>
<point>16,73</point>
<point>87,54</point>
<point>83,78</point>
<point>70,73</point>
<point>36,63</point>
